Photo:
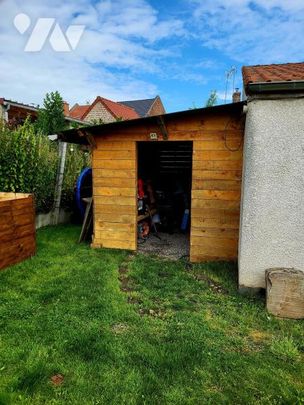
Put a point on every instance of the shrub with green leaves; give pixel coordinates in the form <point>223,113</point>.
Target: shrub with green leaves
<point>29,162</point>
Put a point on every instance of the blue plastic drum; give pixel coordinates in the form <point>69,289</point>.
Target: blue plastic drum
<point>83,189</point>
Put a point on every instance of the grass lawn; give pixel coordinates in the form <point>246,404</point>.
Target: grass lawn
<point>115,328</point>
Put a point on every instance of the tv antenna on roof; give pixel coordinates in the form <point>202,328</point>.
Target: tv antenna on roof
<point>230,74</point>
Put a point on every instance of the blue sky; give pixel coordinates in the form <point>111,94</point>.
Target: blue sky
<point>179,49</point>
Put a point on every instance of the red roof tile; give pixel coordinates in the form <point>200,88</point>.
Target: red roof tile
<point>273,73</point>
<point>119,110</point>
<point>79,111</point>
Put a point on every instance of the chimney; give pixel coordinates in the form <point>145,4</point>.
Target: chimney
<point>66,109</point>
<point>236,96</point>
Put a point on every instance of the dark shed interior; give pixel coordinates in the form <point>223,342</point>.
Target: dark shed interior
<point>164,178</point>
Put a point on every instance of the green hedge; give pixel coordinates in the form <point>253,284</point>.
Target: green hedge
<point>28,164</point>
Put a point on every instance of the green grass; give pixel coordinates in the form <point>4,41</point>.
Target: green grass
<point>174,334</point>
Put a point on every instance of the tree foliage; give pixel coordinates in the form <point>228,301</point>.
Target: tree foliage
<point>212,99</point>
<point>51,116</point>
<point>193,107</point>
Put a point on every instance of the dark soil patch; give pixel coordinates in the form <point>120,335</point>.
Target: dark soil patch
<point>125,284</point>
<point>215,286</point>
<point>123,270</point>
<point>155,313</point>
<point>188,266</point>
<point>134,300</point>
<point>163,274</point>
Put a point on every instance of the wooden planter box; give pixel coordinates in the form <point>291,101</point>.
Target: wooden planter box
<point>17,228</point>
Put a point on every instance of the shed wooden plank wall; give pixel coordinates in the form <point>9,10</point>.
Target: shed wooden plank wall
<point>216,183</point>
<point>115,192</point>
<point>216,193</point>
<point>17,228</point>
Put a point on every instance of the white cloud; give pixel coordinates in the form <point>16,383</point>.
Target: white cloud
<point>121,36</point>
<point>252,31</point>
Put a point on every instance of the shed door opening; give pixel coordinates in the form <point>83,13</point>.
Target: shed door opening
<point>164,197</point>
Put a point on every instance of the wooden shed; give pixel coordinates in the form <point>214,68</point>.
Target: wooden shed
<point>204,147</point>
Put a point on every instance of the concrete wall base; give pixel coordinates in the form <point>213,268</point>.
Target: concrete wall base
<point>251,291</point>
<point>46,219</point>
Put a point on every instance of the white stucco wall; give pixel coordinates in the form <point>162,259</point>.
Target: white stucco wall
<point>272,208</point>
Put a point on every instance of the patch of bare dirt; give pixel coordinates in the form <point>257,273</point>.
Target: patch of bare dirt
<point>119,328</point>
<point>134,300</point>
<point>125,284</point>
<point>258,336</point>
<point>155,313</point>
<point>57,379</point>
<point>125,281</point>
<point>214,285</point>
<point>169,246</point>
<point>123,270</point>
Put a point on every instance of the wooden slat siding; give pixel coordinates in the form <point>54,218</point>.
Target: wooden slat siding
<point>113,214</point>
<point>200,184</point>
<point>219,223</point>
<point>216,233</point>
<point>177,135</point>
<point>232,143</point>
<point>115,164</point>
<point>220,166</point>
<point>115,191</point>
<point>114,182</point>
<point>216,183</point>
<point>196,203</point>
<point>114,226</point>
<point>106,154</point>
<point>12,196</point>
<point>18,231</point>
<point>114,174</point>
<point>216,192</point>
<point>112,209</point>
<point>17,228</point>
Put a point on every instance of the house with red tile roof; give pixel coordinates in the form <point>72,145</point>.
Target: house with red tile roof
<point>272,213</point>
<point>103,110</point>
<point>106,111</point>
<point>273,78</point>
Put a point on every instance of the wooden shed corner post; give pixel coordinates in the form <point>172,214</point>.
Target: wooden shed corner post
<point>115,194</point>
